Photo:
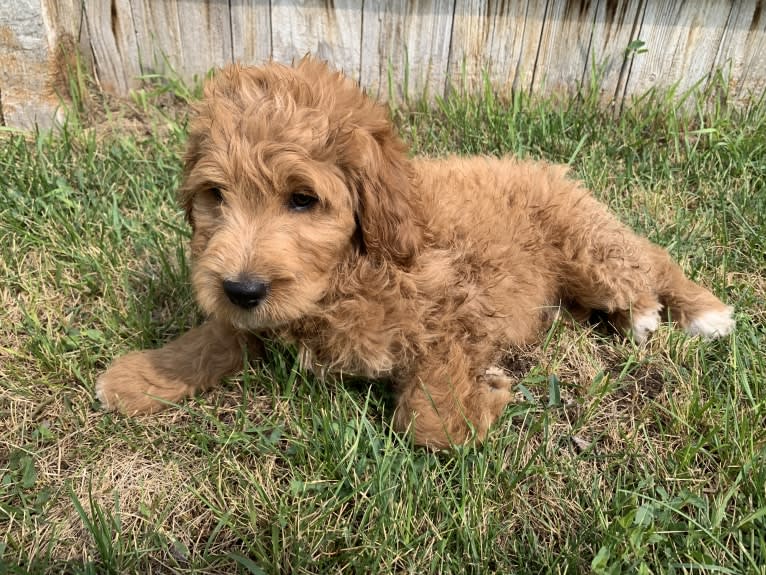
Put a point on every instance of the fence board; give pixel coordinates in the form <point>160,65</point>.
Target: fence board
<point>113,40</point>
<point>205,35</point>
<point>329,30</point>
<point>616,25</point>
<point>23,69</point>
<point>63,17</point>
<point>157,50</point>
<point>534,21</point>
<point>743,52</point>
<point>189,37</point>
<point>564,46</point>
<point>682,41</point>
<point>413,38</point>
<point>487,41</point>
<point>251,30</point>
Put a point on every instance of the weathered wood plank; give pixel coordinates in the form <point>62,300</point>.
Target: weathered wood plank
<point>113,41</point>
<point>616,24</point>
<point>189,37</point>
<point>66,26</point>
<point>743,52</point>
<point>63,17</point>
<point>487,40</point>
<point>682,41</point>
<point>205,35</point>
<point>328,30</point>
<point>158,35</point>
<point>24,100</point>
<point>534,22</point>
<point>251,31</point>
<point>564,45</point>
<point>410,38</point>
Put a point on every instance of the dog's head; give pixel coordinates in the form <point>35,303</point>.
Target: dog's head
<point>291,173</point>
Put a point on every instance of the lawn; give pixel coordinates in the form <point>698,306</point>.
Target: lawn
<point>615,458</point>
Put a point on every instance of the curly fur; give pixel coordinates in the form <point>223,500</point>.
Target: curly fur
<point>417,270</point>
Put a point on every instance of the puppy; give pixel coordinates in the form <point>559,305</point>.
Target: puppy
<point>312,225</point>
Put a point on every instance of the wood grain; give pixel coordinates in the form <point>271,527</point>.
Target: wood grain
<point>682,41</point>
<point>564,50</point>
<point>24,100</point>
<point>251,31</point>
<point>408,41</point>
<point>487,43</point>
<point>183,38</point>
<point>616,25</point>
<point>742,56</point>
<point>158,35</point>
<point>328,30</point>
<point>112,39</point>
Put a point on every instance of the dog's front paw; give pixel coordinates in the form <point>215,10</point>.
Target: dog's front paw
<point>498,391</point>
<point>496,378</point>
<point>135,384</point>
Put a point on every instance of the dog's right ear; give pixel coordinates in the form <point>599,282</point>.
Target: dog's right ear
<point>225,85</point>
<point>186,191</point>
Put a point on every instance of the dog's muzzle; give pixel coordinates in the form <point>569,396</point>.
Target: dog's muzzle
<point>246,293</point>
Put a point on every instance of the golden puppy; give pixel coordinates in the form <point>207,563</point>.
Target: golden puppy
<point>311,224</point>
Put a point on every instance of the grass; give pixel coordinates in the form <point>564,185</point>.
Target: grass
<point>615,458</point>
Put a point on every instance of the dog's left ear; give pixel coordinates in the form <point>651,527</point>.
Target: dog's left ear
<point>389,215</point>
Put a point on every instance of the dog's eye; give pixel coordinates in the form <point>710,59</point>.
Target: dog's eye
<point>216,194</point>
<point>302,201</point>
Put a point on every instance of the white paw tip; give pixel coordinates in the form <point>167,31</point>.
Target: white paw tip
<point>712,324</point>
<point>646,323</point>
<point>100,395</point>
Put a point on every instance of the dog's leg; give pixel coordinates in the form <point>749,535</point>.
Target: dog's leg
<point>697,310</point>
<point>606,266</point>
<point>446,404</point>
<point>636,281</point>
<point>146,381</point>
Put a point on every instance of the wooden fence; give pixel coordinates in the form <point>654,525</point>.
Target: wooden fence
<point>423,47</point>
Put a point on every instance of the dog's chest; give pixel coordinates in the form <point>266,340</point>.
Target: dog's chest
<point>339,344</point>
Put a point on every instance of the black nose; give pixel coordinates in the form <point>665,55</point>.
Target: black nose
<point>246,293</point>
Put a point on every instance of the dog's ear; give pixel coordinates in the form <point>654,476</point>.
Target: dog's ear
<point>186,191</point>
<point>373,157</point>
<point>223,88</point>
<point>388,213</point>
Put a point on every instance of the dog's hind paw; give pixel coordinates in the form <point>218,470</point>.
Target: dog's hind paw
<point>712,324</point>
